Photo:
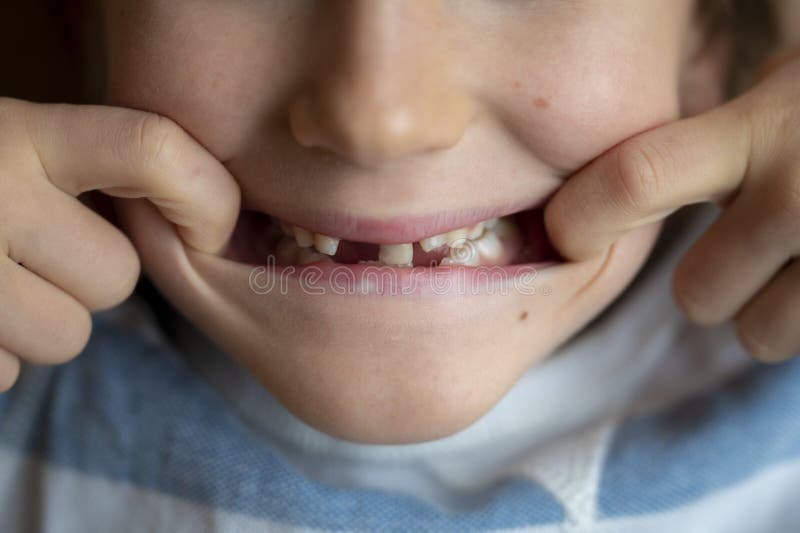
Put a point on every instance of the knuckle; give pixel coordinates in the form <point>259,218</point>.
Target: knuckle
<point>639,168</point>
<point>154,138</point>
<point>775,125</point>
<point>787,197</point>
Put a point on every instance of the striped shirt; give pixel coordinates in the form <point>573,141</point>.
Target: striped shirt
<point>643,423</point>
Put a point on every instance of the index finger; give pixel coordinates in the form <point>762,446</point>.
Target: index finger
<point>133,154</point>
<point>647,177</point>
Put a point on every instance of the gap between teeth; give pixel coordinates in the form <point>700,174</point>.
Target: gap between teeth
<point>467,246</point>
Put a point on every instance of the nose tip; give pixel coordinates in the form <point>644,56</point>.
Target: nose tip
<point>369,130</point>
<point>382,83</point>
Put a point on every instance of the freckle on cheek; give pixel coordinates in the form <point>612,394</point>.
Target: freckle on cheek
<point>541,103</point>
<point>517,85</point>
<point>523,315</point>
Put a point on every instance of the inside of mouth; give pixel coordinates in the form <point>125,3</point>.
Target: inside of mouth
<point>258,237</point>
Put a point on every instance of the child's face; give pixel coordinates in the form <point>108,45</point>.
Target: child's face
<point>368,111</point>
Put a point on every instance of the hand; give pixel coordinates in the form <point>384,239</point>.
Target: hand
<point>59,260</point>
<point>743,155</point>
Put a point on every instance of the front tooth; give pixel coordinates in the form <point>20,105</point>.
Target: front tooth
<point>476,231</point>
<point>431,243</point>
<point>304,238</point>
<point>396,254</point>
<point>326,245</point>
<point>489,245</point>
<point>492,222</point>
<point>457,235</point>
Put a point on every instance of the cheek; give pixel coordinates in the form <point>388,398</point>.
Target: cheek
<point>570,97</point>
<point>212,80</point>
<point>569,124</point>
<point>575,96</point>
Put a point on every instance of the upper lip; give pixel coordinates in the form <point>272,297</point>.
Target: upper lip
<point>391,230</point>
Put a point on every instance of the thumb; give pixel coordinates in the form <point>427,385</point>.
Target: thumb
<point>647,177</point>
<point>133,154</point>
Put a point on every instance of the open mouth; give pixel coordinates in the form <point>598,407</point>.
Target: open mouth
<point>515,239</point>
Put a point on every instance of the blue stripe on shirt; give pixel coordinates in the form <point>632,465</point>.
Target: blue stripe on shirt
<point>705,444</point>
<point>127,410</point>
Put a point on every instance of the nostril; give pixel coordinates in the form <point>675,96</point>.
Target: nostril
<point>366,136</point>
<point>370,125</point>
<point>303,124</point>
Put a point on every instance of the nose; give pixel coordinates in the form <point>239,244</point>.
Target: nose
<point>383,84</point>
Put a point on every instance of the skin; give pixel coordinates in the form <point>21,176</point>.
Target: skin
<point>744,267</point>
<point>215,120</point>
<point>395,369</point>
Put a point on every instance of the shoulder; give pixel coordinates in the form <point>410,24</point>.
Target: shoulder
<point>708,443</point>
<point>126,374</point>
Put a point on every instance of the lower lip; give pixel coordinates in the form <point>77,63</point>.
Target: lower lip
<point>364,279</point>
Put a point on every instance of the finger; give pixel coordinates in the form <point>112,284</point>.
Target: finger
<point>768,324</point>
<point>72,247</point>
<point>752,239</point>
<point>39,322</point>
<point>776,60</point>
<point>133,154</point>
<point>646,178</point>
<point>161,252</point>
<point>9,369</point>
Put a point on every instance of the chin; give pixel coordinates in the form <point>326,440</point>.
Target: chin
<point>382,368</point>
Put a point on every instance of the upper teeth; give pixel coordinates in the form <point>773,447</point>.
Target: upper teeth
<point>462,255</point>
<point>476,231</point>
<point>304,238</point>
<point>326,245</point>
<point>431,243</point>
<point>489,245</point>
<point>455,236</point>
<point>396,254</point>
<point>482,239</point>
